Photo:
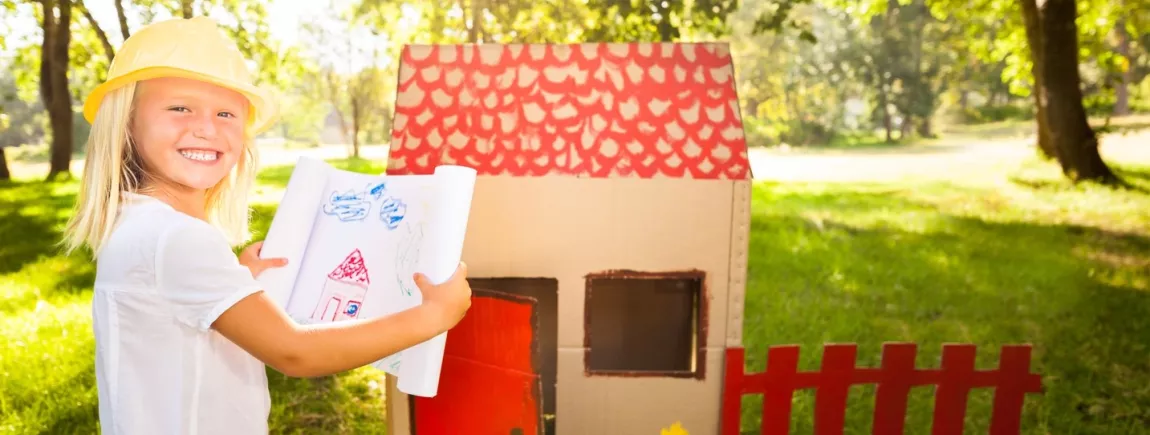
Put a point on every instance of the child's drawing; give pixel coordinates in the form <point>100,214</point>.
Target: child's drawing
<point>343,291</point>
<point>391,212</point>
<point>407,258</point>
<point>326,226</point>
<point>347,206</point>
<point>377,191</point>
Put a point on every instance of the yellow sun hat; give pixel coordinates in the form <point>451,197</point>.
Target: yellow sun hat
<point>192,48</point>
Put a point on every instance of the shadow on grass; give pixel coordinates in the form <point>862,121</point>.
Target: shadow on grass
<point>1133,178</point>
<point>825,269</point>
<point>32,216</point>
<point>31,211</point>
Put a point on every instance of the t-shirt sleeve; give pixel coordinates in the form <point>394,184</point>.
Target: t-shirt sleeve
<point>199,275</point>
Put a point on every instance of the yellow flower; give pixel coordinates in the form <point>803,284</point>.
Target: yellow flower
<point>675,429</point>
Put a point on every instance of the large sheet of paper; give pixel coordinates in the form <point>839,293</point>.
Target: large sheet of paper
<point>353,242</point>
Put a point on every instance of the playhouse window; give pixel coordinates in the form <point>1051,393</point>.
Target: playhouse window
<point>644,323</point>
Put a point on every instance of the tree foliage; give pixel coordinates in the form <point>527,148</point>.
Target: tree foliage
<point>809,72</point>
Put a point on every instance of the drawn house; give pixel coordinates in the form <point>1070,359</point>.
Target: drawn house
<point>344,290</point>
<point>607,239</point>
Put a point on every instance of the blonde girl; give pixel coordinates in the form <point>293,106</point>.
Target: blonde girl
<point>183,330</point>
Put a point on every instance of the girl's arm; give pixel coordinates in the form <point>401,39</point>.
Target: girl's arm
<point>263,329</point>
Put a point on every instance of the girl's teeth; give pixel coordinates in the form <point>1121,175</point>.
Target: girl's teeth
<point>205,156</point>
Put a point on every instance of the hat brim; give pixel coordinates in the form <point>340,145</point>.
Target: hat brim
<point>263,113</point>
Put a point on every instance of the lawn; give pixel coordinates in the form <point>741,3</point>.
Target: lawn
<point>1018,257</point>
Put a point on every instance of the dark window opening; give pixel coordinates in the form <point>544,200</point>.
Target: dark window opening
<point>645,324</point>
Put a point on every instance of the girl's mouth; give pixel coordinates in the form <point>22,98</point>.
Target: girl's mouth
<point>200,155</point>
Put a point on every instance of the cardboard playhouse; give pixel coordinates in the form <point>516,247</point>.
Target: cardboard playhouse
<point>607,240</point>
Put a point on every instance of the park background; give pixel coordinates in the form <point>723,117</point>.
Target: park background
<point>909,184</point>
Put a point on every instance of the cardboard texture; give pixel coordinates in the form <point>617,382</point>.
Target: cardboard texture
<point>607,239</point>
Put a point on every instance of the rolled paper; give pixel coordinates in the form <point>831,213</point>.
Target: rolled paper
<point>443,250</point>
<point>285,238</point>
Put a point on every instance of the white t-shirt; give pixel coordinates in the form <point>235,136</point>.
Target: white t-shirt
<point>161,281</point>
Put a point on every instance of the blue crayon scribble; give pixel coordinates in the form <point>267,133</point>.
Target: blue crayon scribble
<point>377,191</point>
<point>391,212</point>
<point>347,206</point>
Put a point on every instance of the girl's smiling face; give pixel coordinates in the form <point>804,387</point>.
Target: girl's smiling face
<point>189,134</point>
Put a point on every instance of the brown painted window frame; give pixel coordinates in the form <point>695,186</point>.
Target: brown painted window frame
<point>700,327</point>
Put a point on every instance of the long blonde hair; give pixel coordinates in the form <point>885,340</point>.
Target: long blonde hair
<point>113,166</point>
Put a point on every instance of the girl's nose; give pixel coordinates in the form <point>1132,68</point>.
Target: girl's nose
<point>204,126</point>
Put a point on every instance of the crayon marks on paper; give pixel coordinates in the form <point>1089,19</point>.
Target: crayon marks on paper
<point>393,362</point>
<point>407,258</point>
<point>344,290</point>
<point>347,206</point>
<point>392,212</point>
<point>351,206</point>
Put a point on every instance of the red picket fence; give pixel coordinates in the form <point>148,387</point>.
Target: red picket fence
<point>955,378</point>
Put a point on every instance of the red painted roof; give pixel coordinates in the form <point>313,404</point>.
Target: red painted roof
<point>351,270</point>
<point>588,110</point>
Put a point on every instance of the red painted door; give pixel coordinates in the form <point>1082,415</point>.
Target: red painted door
<point>490,382</point>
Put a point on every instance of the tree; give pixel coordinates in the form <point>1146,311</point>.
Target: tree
<point>1074,141</point>
<point>5,174</point>
<point>56,21</point>
<point>355,92</point>
<point>1035,42</point>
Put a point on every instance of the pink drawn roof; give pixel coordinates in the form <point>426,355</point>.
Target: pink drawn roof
<point>586,110</point>
<point>351,270</point>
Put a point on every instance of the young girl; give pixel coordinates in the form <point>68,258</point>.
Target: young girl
<point>183,330</point>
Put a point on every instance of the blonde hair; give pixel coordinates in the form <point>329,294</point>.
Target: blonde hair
<point>113,166</point>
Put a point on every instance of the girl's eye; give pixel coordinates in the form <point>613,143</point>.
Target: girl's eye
<point>179,109</point>
<point>227,115</point>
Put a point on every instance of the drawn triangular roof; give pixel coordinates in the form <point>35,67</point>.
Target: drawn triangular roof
<point>351,270</point>
<point>587,110</point>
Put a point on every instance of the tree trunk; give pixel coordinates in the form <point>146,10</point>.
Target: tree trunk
<point>356,116</point>
<point>54,84</point>
<point>1122,92</point>
<point>924,128</point>
<point>5,174</point>
<point>186,8</point>
<point>1071,135</point>
<point>475,30</point>
<point>123,18</point>
<point>1036,41</point>
<point>103,37</point>
<point>666,30</point>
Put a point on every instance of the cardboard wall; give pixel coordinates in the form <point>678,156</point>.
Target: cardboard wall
<point>567,228</point>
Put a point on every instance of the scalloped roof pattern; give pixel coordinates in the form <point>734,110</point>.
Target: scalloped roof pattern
<point>641,110</point>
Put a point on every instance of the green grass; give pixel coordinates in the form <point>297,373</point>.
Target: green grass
<point>1007,258</point>
<point>47,380</point>
<point>1064,268</point>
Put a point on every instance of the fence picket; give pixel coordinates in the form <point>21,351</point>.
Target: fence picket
<point>954,384</point>
<point>894,384</point>
<point>835,378</point>
<point>781,380</point>
<point>896,376</point>
<point>1014,381</point>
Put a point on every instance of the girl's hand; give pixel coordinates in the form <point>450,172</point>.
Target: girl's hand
<point>250,258</point>
<point>449,301</point>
